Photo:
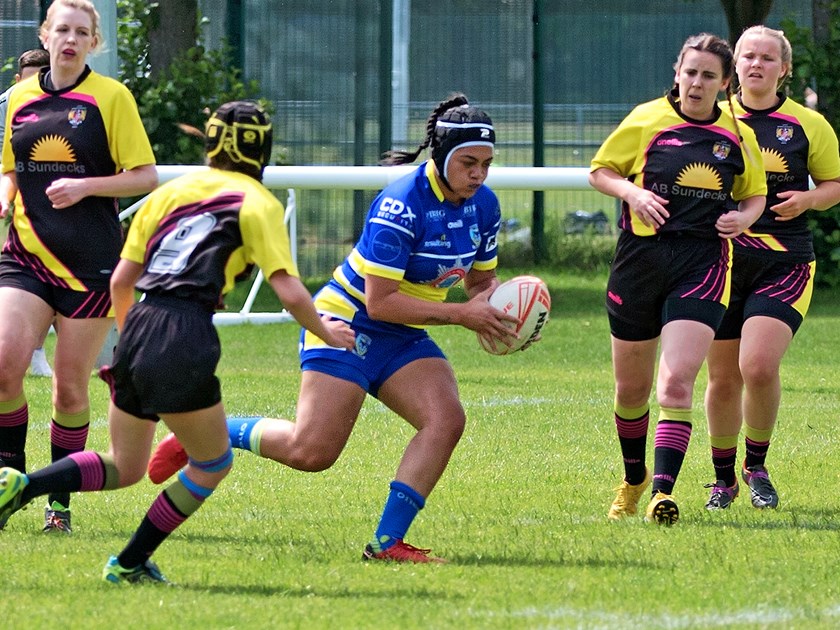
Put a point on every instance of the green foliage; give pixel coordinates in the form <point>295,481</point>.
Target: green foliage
<point>587,252</point>
<point>198,81</point>
<point>817,64</point>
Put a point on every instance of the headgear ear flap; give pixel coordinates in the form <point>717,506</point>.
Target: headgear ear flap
<point>459,127</point>
<point>243,131</point>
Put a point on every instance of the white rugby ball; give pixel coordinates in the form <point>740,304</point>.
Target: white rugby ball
<point>526,298</point>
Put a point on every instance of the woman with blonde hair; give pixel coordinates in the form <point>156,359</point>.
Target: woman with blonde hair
<point>74,142</point>
<point>773,267</point>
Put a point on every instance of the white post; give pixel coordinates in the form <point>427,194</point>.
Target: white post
<point>399,72</point>
<point>106,61</point>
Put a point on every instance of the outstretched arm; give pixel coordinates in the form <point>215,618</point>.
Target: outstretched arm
<point>298,301</point>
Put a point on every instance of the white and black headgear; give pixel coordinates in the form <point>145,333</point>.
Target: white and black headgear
<point>458,127</point>
<point>241,129</point>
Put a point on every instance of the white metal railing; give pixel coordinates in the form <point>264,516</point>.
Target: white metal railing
<point>362,178</point>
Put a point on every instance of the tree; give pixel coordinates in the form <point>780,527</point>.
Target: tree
<point>173,30</point>
<point>741,14</point>
<point>174,78</point>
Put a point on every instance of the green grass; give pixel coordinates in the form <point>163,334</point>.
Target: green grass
<point>520,513</point>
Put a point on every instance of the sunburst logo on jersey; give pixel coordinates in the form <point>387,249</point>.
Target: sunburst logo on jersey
<point>53,149</point>
<point>699,175</point>
<point>774,162</point>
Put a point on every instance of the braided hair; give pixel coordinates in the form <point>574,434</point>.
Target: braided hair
<point>453,124</point>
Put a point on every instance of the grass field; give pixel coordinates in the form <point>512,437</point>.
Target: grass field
<point>520,513</point>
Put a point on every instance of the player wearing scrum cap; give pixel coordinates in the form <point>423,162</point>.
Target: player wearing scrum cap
<point>424,233</point>
<point>185,247</point>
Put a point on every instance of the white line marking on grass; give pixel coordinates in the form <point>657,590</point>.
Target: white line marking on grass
<point>593,620</point>
<point>504,402</point>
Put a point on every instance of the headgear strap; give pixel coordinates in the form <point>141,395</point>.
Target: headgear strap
<point>449,135</point>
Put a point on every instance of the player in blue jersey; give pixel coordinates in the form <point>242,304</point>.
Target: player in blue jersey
<point>186,246</point>
<point>73,143</point>
<point>674,163</point>
<point>424,233</point>
<point>773,267</point>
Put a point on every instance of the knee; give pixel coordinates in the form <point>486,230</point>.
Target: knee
<point>207,479</point>
<point>448,428</point>
<point>308,459</point>
<point>129,475</point>
<point>632,395</point>
<point>11,378</point>
<point>724,386</point>
<point>760,374</point>
<point>69,396</point>
<point>674,392</point>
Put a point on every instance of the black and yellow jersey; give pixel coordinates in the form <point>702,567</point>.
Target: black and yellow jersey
<point>197,233</point>
<point>699,166</point>
<point>90,129</point>
<point>795,142</point>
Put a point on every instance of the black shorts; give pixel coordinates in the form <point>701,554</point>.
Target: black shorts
<point>658,279</point>
<point>67,302</point>
<point>765,287</point>
<point>165,360</point>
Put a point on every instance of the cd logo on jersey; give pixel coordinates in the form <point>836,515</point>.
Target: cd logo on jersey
<point>721,149</point>
<point>52,148</point>
<point>784,133</point>
<point>77,115</point>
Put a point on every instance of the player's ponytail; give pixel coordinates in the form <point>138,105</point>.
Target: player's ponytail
<point>393,158</point>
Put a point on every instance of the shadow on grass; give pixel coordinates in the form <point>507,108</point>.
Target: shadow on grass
<point>800,519</point>
<point>544,563</point>
<point>327,593</point>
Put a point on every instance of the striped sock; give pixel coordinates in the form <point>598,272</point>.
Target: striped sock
<point>632,428</point>
<point>68,435</point>
<point>14,422</point>
<point>172,507</point>
<point>673,432</point>
<point>724,454</point>
<point>757,443</point>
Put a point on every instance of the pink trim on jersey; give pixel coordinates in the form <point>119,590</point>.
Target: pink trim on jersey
<point>791,119</point>
<point>720,130</point>
<point>80,96</point>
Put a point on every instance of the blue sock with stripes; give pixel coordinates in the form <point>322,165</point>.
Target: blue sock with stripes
<point>402,506</point>
<point>240,430</point>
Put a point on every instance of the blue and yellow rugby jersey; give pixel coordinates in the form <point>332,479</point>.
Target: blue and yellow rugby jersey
<point>795,142</point>
<point>197,233</point>
<point>90,129</point>
<point>698,166</point>
<point>413,235</point>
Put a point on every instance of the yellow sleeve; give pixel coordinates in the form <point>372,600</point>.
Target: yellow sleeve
<point>753,181</point>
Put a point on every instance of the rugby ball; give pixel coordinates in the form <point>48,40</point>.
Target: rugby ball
<point>526,298</point>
